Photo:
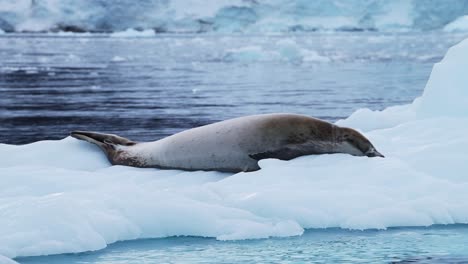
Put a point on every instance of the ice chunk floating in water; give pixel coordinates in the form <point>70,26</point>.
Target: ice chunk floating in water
<point>131,33</point>
<point>63,196</point>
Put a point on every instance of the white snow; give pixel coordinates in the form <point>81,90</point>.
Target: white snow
<point>63,196</point>
<point>459,24</point>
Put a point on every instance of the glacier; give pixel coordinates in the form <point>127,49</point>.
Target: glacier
<point>63,196</point>
<point>248,16</point>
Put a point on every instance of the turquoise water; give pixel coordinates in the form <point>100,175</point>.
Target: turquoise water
<point>436,244</point>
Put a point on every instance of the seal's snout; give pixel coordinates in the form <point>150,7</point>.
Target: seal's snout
<point>372,152</point>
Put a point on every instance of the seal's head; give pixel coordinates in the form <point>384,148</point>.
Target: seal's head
<point>355,143</point>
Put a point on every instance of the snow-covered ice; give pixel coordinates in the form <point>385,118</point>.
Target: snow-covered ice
<point>63,196</point>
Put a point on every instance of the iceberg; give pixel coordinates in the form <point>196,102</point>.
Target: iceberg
<point>196,16</point>
<point>63,196</point>
<point>5,260</point>
<point>459,24</point>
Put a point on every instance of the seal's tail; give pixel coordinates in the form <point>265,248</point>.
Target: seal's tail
<point>104,141</point>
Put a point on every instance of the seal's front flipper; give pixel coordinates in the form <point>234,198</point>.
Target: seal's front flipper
<point>104,141</point>
<point>288,152</point>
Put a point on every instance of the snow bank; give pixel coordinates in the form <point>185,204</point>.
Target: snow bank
<point>228,15</point>
<point>459,24</point>
<point>63,196</point>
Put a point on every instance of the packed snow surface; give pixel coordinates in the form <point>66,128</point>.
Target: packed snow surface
<point>64,196</point>
<point>228,15</point>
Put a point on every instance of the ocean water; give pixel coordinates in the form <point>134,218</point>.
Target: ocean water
<point>149,87</point>
<point>437,244</point>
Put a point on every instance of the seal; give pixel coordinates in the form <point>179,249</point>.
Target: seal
<point>235,145</point>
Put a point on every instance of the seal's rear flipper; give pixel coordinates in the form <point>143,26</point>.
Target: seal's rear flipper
<point>104,141</point>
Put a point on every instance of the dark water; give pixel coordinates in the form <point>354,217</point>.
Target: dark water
<point>436,244</point>
<point>148,88</point>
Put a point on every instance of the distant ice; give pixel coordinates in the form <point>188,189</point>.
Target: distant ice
<point>284,50</point>
<point>250,54</point>
<point>70,34</point>
<point>118,59</point>
<point>396,16</point>
<point>63,196</point>
<point>459,24</point>
<point>72,57</point>
<point>197,16</point>
<point>290,50</point>
<point>200,8</point>
<point>130,33</point>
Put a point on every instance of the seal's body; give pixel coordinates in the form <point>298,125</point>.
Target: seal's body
<point>236,144</point>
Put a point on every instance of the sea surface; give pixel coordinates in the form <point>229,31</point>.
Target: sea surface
<point>145,88</point>
<point>437,244</point>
